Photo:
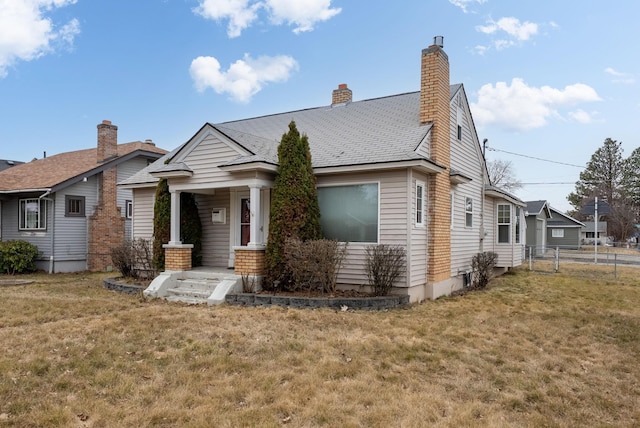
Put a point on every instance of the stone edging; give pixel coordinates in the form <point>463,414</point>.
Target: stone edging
<point>364,303</point>
<point>113,284</point>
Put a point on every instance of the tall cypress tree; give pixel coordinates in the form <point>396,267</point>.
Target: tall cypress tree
<point>295,212</point>
<point>191,226</point>
<point>161,222</point>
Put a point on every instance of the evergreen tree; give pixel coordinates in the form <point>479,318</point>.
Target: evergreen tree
<point>161,222</point>
<point>295,212</point>
<point>191,226</point>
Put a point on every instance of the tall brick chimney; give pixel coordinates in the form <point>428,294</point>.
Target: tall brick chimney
<point>107,141</point>
<point>106,224</point>
<point>341,95</point>
<point>435,109</point>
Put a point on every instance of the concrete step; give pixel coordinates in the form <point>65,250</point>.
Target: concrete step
<point>191,293</point>
<point>187,300</point>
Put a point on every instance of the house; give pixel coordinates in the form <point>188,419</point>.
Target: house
<point>68,204</point>
<point>588,233</point>
<point>547,227</point>
<point>6,164</point>
<point>404,169</point>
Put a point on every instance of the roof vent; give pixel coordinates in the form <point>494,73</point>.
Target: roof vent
<point>438,41</point>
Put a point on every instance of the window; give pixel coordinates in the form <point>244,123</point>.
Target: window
<point>557,233</point>
<point>129,209</point>
<point>459,122</point>
<point>504,223</point>
<point>419,203</point>
<point>349,213</point>
<point>74,206</point>
<point>33,214</point>
<point>590,234</point>
<point>517,225</point>
<point>468,211</point>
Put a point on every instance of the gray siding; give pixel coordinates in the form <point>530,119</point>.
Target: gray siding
<point>392,220</point>
<point>570,240</point>
<point>215,237</point>
<point>144,199</point>
<point>204,160</point>
<point>418,241</point>
<point>126,170</point>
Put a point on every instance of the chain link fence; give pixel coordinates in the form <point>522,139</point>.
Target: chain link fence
<point>608,259</point>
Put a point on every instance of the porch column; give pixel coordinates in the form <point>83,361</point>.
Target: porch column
<point>175,218</point>
<point>255,238</point>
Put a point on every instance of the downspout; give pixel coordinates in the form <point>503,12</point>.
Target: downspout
<point>53,227</point>
<point>482,192</point>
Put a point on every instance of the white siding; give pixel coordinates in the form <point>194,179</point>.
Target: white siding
<point>143,202</point>
<point>511,254</point>
<point>392,219</point>
<point>126,170</point>
<point>466,157</point>
<point>215,237</point>
<point>204,161</point>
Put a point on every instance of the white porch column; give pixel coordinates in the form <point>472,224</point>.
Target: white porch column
<point>175,218</point>
<point>255,238</point>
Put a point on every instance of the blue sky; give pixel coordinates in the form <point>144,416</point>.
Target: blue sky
<point>549,80</point>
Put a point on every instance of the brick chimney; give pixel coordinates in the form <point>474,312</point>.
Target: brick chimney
<point>435,109</point>
<point>341,95</point>
<point>107,141</point>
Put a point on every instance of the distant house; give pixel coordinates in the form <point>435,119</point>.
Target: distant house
<point>588,234</point>
<point>405,170</point>
<point>563,231</point>
<point>6,164</point>
<point>68,204</point>
<point>548,227</point>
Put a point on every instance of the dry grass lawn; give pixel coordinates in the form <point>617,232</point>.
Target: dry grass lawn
<point>534,350</point>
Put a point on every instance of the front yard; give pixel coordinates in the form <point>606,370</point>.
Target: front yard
<point>533,350</point>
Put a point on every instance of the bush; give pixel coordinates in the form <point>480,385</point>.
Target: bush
<point>134,259</point>
<point>383,265</point>
<point>18,257</point>
<point>314,264</point>
<point>482,265</point>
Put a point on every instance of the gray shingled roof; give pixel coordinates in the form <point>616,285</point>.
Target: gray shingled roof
<point>378,130</point>
<point>535,207</point>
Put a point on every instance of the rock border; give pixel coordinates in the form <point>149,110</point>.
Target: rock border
<point>362,303</point>
<point>122,287</point>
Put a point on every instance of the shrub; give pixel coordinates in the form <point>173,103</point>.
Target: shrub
<point>314,264</point>
<point>18,257</point>
<point>134,259</point>
<point>383,265</point>
<point>482,265</point>
<point>161,222</point>
<point>191,226</point>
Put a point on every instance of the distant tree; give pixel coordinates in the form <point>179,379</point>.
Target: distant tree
<point>295,212</point>
<point>602,177</point>
<point>161,222</point>
<point>501,174</point>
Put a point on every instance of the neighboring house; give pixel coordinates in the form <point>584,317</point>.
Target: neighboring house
<point>6,164</point>
<point>68,204</point>
<point>563,231</point>
<point>404,170</point>
<point>538,214</point>
<point>588,233</point>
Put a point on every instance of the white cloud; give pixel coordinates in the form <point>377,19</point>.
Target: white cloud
<point>26,33</point>
<point>244,78</point>
<point>302,14</point>
<point>509,32</point>
<point>620,77</point>
<point>462,4</point>
<point>239,13</point>
<point>521,107</point>
<point>581,116</point>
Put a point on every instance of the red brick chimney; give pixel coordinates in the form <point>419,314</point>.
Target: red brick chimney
<point>341,95</point>
<point>435,109</point>
<point>107,141</point>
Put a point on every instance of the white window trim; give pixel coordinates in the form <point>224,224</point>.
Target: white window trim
<point>419,205</point>
<point>358,183</point>
<point>557,233</point>
<point>128,208</point>
<point>467,212</point>
<point>503,224</point>
<point>42,214</point>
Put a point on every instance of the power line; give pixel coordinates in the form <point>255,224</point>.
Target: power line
<point>533,157</point>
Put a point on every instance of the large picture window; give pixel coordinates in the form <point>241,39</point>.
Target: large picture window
<point>33,214</point>
<point>349,213</point>
<point>504,224</point>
